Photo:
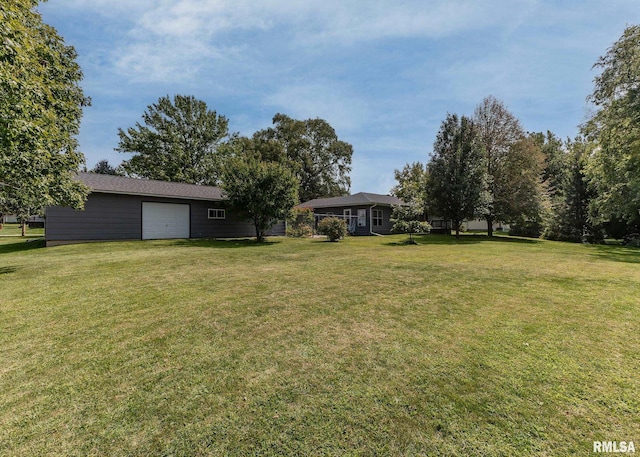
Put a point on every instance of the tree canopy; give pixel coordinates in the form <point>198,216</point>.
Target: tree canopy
<point>513,165</point>
<point>264,191</point>
<point>103,167</point>
<point>456,182</point>
<point>568,193</point>
<point>406,219</point>
<point>613,168</point>
<point>41,105</point>
<point>412,180</point>
<point>179,141</point>
<point>312,150</point>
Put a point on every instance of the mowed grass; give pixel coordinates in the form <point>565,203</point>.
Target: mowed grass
<point>16,230</point>
<point>304,347</point>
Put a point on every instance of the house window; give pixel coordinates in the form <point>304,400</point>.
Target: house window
<point>216,213</point>
<point>362,218</point>
<point>377,218</point>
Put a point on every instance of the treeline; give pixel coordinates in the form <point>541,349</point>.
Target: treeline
<point>182,140</point>
<point>485,166</point>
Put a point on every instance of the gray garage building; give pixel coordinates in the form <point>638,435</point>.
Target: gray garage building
<point>120,208</point>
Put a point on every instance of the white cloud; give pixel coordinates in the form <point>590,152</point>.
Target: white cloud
<point>163,37</point>
<point>342,109</point>
<point>357,22</point>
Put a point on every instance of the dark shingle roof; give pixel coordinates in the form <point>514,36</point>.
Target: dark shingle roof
<point>361,198</point>
<point>110,184</point>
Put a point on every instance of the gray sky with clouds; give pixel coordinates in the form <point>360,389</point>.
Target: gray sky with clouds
<point>383,73</point>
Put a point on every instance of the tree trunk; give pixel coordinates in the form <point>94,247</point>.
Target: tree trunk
<point>489,226</point>
<point>259,232</point>
<point>24,228</point>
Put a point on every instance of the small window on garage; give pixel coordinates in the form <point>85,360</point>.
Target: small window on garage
<point>216,213</point>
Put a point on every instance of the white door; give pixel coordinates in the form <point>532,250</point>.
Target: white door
<point>164,220</point>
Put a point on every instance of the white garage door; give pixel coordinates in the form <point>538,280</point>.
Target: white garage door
<point>164,220</point>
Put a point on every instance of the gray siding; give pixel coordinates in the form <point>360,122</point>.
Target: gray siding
<point>385,229</point>
<point>119,217</point>
<point>105,217</point>
<point>233,226</point>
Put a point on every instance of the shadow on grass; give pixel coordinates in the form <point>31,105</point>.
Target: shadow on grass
<point>464,239</point>
<point>7,270</point>
<point>6,248</point>
<point>224,243</point>
<point>616,253</point>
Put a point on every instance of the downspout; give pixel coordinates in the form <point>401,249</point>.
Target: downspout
<point>371,221</point>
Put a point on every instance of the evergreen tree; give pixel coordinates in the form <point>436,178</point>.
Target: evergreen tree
<point>570,198</point>
<point>456,183</point>
<point>105,168</point>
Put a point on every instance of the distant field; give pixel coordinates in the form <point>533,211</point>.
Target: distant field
<point>302,347</point>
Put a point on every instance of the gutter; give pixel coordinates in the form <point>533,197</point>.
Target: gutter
<point>371,221</point>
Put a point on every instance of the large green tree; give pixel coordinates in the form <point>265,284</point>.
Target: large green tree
<point>41,105</point>
<point>178,141</point>
<point>613,169</point>
<point>505,148</point>
<point>456,182</point>
<point>517,188</point>
<point>264,191</point>
<point>312,150</point>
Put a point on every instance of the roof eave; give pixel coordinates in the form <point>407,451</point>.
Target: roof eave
<point>142,194</point>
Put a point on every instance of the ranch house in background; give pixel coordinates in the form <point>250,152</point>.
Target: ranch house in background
<point>364,213</point>
<point>120,208</point>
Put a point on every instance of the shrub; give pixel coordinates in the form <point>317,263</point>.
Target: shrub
<point>333,227</point>
<point>299,230</point>
<point>300,222</point>
<point>530,229</point>
<point>632,239</point>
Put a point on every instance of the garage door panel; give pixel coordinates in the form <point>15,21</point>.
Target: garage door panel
<point>164,220</point>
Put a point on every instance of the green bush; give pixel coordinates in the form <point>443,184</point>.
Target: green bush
<point>300,222</point>
<point>632,240</point>
<point>530,229</point>
<point>333,227</point>
<point>299,230</point>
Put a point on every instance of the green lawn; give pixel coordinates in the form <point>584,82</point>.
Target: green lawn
<point>16,230</point>
<point>303,347</point>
